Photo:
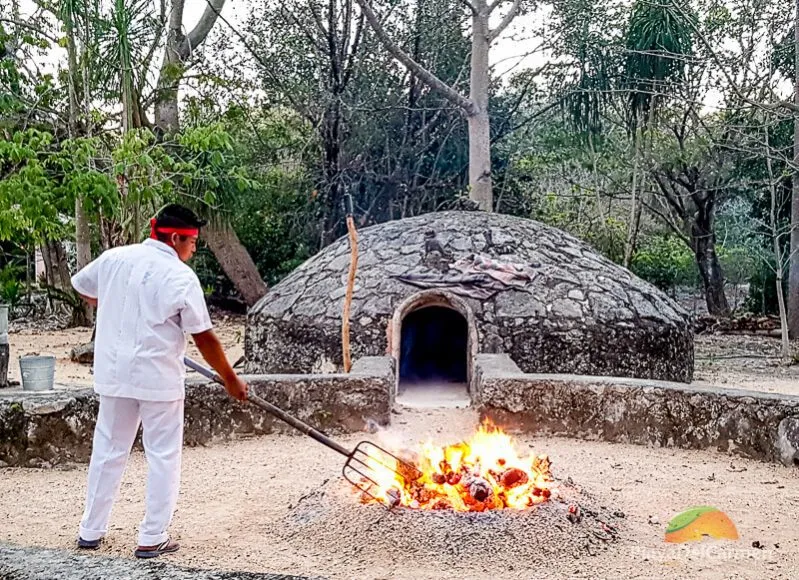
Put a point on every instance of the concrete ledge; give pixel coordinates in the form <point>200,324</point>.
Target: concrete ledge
<point>747,423</point>
<point>53,428</point>
<point>45,564</point>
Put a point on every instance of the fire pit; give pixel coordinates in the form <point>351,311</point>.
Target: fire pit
<point>482,473</point>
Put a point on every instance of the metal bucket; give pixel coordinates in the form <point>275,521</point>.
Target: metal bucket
<point>38,372</point>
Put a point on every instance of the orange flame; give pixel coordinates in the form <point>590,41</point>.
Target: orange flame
<point>484,472</point>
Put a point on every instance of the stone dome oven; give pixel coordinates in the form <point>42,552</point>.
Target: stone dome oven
<point>436,289</point>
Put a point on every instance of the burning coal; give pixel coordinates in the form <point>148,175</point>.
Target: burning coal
<point>482,473</point>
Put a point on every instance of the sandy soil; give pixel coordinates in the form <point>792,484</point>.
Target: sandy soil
<point>278,504</point>
<point>747,362</point>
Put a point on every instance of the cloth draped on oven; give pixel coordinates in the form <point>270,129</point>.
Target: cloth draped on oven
<point>474,276</point>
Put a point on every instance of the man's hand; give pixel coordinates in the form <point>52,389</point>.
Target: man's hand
<point>237,388</point>
<point>212,352</point>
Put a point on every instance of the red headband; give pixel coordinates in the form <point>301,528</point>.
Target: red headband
<point>178,231</point>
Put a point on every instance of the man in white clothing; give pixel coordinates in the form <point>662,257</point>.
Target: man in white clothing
<point>147,300</point>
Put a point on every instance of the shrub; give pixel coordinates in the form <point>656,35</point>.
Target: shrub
<point>666,262</point>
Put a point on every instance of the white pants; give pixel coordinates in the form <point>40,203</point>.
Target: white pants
<point>117,425</point>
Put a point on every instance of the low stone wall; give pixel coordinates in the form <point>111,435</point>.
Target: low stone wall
<point>53,428</point>
<point>747,423</point>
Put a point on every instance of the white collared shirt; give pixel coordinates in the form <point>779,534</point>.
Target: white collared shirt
<point>147,301</point>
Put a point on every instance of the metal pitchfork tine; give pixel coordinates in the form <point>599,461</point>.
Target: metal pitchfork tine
<point>362,462</point>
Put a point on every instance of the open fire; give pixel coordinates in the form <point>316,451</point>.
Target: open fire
<point>482,473</point>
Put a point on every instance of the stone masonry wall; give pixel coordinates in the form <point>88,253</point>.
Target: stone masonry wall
<point>46,429</point>
<point>577,313</point>
<point>751,424</point>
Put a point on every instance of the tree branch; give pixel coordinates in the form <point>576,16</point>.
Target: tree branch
<point>268,70</point>
<point>29,26</point>
<point>425,75</point>
<point>469,5</point>
<point>212,9</point>
<point>351,57</point>
<point>674,228</point>
<point>176,16</point>
<point>512,13</point>
<point>148,59</point>
<point>779,105</point>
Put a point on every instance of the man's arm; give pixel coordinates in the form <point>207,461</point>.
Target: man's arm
<point>87,282</point>
<point>213,353</point>
<point>89,300</point>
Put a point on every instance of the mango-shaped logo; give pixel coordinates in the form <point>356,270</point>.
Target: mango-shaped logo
<point>698,522</point>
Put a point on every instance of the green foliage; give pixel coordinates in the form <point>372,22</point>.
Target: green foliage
<point>738,263</point>
<point>270,223</point>
<point>762,296</point>
<point>29,202</point>
<point>665,261</point>
<point>248,166</point>
<point>209,169</point>
<point>659,43</point>
<point>42,177</point>
<point>11,285</point>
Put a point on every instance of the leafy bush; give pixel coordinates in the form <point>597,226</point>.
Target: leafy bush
<point>666,262</point>
<point>608,238</point>
<point>762,298</point>
<point>11,285</point>
<point>739,264</point>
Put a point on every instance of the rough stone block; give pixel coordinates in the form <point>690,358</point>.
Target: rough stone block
<point>788,440</point>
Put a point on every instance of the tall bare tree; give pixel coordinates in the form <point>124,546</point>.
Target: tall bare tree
<point>475,105</point>
<point>793,273</point>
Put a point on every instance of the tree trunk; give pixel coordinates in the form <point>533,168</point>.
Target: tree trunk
<point>82,236</point>
<point>55,265</point>
<point>707,261</point>
<point>235,261</point>
<point>635,206</point>
<point>778,256</point>
<point>793,273</point>
<point>480,185</point>
<point>785,339</point>
<point>179,46</point>
<point>166,102</point>
<point>331,138</point>
<point>83,246</point>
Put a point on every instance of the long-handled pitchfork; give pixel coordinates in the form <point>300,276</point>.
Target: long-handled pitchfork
<point>364,463</point>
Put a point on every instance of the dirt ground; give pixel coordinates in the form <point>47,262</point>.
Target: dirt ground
<point>245,506</point>
<point>744,362</point>
<point>279,504</point>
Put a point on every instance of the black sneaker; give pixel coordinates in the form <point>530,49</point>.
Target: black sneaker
<point>88,544</point>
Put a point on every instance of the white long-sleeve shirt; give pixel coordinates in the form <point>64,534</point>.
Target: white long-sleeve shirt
<point>148,300</point>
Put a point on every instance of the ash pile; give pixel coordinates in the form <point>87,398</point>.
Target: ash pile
<point>368,537</point>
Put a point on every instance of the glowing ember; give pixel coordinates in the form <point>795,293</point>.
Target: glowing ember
<point>482,473</point>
